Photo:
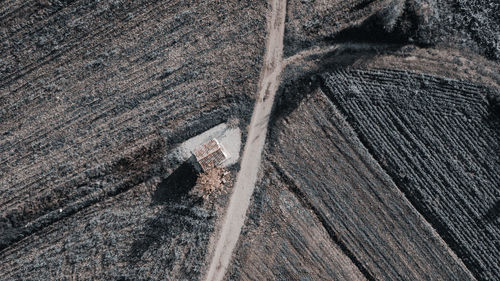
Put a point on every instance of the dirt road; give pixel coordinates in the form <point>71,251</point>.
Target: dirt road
<point>250,162</point>
<point>274,64</point>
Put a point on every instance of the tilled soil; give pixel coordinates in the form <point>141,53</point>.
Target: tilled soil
<point>438,139</point>
<point>94,94</point>
<point>297,245</point>
<point>348,195</point>
<point>376,167</point>
<point>121,238</point>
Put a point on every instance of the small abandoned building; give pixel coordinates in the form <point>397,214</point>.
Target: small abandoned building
<point>210,154</point>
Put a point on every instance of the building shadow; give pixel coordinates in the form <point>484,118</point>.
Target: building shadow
<point>173,193</point>
<point>178,184</point>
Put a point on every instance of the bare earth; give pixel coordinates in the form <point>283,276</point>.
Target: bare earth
<point>363,136</point>
<point>250,162</point>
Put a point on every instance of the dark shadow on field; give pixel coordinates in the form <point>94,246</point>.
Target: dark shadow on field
<point>158,230</point>
<point>493,121</point>
<point>176,216</point>
<point>493,213</point>
<point>369,31</point>
<point>392,26</point>
<point>178,184</point>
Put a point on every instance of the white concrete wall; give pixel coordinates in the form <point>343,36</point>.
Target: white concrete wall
<point>228,137</point>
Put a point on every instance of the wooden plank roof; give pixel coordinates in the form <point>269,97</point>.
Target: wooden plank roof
<point>210,154</point>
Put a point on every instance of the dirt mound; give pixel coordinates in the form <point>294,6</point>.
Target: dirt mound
<point>310,23</point>
<point>211,182</point>
<point>471,25</point>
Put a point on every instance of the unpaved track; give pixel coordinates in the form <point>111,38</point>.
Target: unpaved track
<point>250,162</point>
<point>274,63</point>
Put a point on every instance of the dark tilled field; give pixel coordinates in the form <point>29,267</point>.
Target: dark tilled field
<point>439,141</point>
<point>342,190</point>
<point>92,96</point>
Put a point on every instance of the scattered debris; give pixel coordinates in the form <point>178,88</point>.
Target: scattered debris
<point>211,182</point>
